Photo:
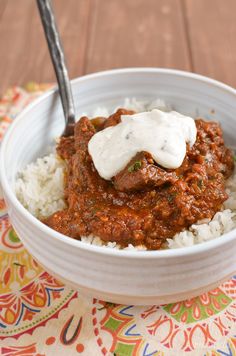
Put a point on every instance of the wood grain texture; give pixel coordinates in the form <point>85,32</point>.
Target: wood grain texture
<point>25,54</point>
<point>196,35</point>
<point>136,33</point>
<point>212,33</point>
<point>3,4</point>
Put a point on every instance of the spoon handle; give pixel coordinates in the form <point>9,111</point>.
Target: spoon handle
<point>58,59</point>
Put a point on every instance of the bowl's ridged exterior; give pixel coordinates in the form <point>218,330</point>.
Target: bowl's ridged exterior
<point>125,279</point>
<point>120,276</point>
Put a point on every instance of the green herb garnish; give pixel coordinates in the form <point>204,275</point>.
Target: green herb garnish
<point>234,158</point>
<point>200,183</point>
<point>135,167</point>
<point>171,196</point>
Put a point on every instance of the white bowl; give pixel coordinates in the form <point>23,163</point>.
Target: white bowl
<point>128,277</point>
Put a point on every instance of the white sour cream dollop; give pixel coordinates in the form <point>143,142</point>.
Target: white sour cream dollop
<point>163,134</point>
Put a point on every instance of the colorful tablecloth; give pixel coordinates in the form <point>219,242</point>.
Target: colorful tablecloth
<point>41,316</point>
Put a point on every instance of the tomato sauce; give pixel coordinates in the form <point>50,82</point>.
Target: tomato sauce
<point>144,203</point>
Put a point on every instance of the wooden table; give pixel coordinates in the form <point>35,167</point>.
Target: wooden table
<point>194,35</point>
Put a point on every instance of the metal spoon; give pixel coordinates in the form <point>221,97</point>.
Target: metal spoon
<point>58,60</point>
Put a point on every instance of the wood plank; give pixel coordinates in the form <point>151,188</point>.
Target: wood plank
<point>3,4</point>
<point>137,33</point>
<point>212,32</point>
<point>24,53</point>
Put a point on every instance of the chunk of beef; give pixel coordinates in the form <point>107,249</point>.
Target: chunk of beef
<point>98,122</point>
<point>114,119</point>
<point>142,173</point>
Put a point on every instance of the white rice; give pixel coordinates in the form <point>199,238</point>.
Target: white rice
<point>40,188</point>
